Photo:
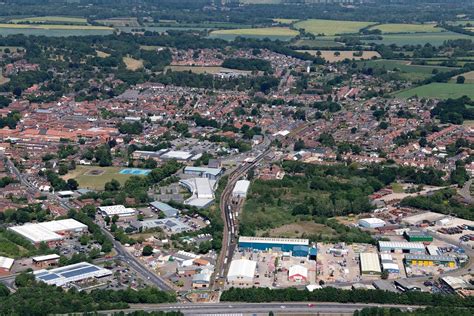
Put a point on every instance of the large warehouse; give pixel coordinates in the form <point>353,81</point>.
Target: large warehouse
<point>298,247</point>
<point>52,232</point>
<point>119,210</point>
<point>241,272</point>
<point>426,260</point>
<point>241,188</point>
<point>418,236</point>
<point>72,273</point>
<point>370,264</point>
<point>401,247</point>
<point>371,222</point>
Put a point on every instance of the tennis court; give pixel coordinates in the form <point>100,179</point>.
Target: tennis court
<point>135,172</point>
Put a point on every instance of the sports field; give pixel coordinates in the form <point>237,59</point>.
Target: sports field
<point>331,27</point>
<point>264,31</point>
<point>53,27</point>
<point>51,19</point>
<point>439,91</point>
<point>94,177</point>
<point>333,56</point>
<point>406,28</point>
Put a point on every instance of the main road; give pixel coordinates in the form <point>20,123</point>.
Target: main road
<point>236,308</point>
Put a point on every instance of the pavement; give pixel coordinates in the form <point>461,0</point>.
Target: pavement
<point>236,308</point>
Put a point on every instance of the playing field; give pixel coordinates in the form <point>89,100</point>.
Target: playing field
<point>133,64</point>
<point>439,91</point>
<point>406,28</point>
<point>51,19</point>
<point>264,31</point>
<point>53,27</point>
<point>94,178</point>
<point>331,27</point>
<point>333,56</point>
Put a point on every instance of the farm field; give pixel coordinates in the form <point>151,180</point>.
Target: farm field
<point>53,27</point>
<point>115,22</point>
<point>5,31</point>
<point>331,27</point>
<point>285,21</point>
<point>94,177</point>
<point>133,64</point>
<point>439,91</point>
<point>3,80</point>
<point>468,75</point>
<point>433,38</point>
<point>406,28</point>
<point>317,43</point>
<point>282,33</point>
<point>102,54</point>
<point>51,19</point>
<point>329,55</point>
<point>202,70</point>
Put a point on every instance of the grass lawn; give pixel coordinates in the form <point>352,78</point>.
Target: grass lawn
<point>439,91</point>
<point>406,28</point>
<point>329,56</point>
<point>51,19</point>
<point>53,27</point>
<point>10,249</point>
<point>297,229</point>
<point>397,187</point>
<point>150,47</point>
<point>87,180</point>
<point>264,31</point>
<point>133,64</point>
<point>331,27</point>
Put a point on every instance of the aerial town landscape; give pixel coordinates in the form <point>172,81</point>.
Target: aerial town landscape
<point>237,157</point>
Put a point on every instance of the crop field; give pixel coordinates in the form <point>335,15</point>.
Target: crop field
<point>53,27</point>
<point>468,75</point>
<point>264,31</point>
<point>330,55</point>
<point>433,38</point>
<point>285,21</point>
<point>133,64</point>
<point>439,91</point>
<point>331,27</point>
<point>115,22</point>
<point>94,178</point>
<point>406,28</point>
<point>317,43</point>
<point>51,19</point>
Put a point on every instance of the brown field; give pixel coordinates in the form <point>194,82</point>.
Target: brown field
<point>329,56</point>
<point>296,230</point>
<point>3,80</point>
<point>468,75</point>
<point>133,64</point>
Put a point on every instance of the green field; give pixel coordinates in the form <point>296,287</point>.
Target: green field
<point>404,69</point>
<point>433,38</point>
<point>51,19</point>
<point>331,27</point>
<point>264,31</point>
<point>285,21</point>
<point>53,27</point>
<point>87,180</point>
<point>406,28</point>
<point>204,69</point>
<point>317,43</point>
<point>439,91</point>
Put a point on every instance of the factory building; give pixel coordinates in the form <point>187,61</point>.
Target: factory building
<point>203,172</point>
<point>427,260</point>
<point>119,210</point>
<point>371,222</point>
<point>164,208</point>
<point>298,247</point>
<point>388,264</point>
<point>240,189</point>
<point>370,264</point>
<point>417,236</point>
<point>401,247</point>
<point>6,265</point>
<point>241,272</point>
<point>52,233</point>
<point>72,273</point>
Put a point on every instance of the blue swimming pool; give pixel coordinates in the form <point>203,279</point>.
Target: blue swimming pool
<point>135,172</point>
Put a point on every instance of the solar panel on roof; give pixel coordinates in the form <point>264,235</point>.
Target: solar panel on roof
<point>41,273</point>
<point>70,268</point>
<point>49,277</point>
<point>79,272</point>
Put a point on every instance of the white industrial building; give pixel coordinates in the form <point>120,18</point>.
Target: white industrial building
<point>202,190</point>
<point>6,264</point>
<point>241,188</point>
<point>369,263</point>
<point>241,272</point>
<point>203,172</point>
<point>371,222</point>
<point>298,273</point>
<point>49,232</point>
<point>177,154</point>
<point>72,273</point>
<point>119,210</point>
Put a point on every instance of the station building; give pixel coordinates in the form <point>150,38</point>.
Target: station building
<point>427,260</point>
<point>298,247</point>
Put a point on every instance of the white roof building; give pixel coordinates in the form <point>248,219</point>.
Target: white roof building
<point>202,190</point>
<point>241,188</point>
<point>298,273</point>
<point>177,154</point>
<point>241,271</point>
<point>119,210</point>
<point>371,222</point>
<point>6,263</point>
<point>45,258</point>
<point>369,263</point>
<point>72,273</point>
<point>48,231</point>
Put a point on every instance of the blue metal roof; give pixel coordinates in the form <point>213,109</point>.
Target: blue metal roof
<point>79,272</point>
